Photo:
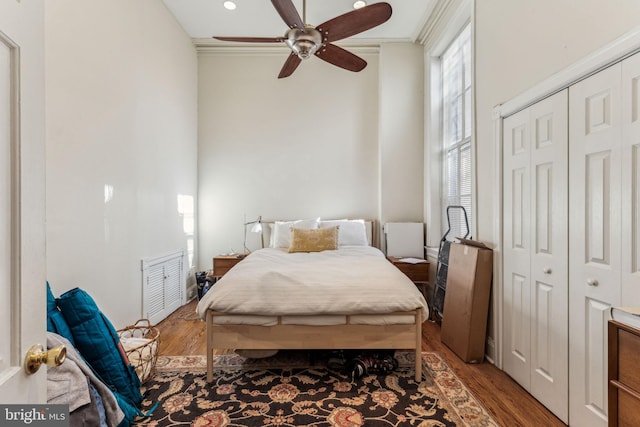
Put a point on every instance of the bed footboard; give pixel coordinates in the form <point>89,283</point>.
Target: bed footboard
<point>306,337</point>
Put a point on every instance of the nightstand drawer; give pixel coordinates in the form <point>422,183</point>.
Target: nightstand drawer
<point>624,377</point>
<point>418,272</point>
<point>628,351</point>
<point>223,263</point>
<point>628,413</point>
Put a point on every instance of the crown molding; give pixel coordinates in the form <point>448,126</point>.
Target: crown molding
<point>418,34</point>
<point>438,11</point>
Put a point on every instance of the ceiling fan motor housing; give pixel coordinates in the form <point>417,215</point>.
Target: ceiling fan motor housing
<point>303,43</point>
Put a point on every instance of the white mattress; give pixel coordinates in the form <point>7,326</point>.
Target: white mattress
<point>317,288</point>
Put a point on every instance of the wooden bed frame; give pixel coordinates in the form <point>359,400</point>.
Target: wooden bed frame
<point>306,337</point>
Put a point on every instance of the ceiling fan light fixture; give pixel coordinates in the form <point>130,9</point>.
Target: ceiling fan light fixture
<point>303,43</point>
<point>229,5</point>
<point>359,4</point>
<point>304,48</point>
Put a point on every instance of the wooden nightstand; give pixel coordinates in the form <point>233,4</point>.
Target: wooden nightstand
<point>624,378</point>
<point>418,273</point>
<point>224,263</point>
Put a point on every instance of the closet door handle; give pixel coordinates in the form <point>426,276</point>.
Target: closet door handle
<point>592,282</point>
<point>546,270</point>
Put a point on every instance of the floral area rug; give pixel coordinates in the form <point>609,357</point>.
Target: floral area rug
<point>297,389</point>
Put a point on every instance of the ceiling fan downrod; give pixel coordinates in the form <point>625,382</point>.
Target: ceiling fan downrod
<point>304,12</point>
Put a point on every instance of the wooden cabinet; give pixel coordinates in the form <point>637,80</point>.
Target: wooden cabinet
<point>418,272</point>
<point>624,375</point>
<point>224,263</point>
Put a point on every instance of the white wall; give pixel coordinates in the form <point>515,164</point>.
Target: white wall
<point>519,44</point>
<point>401,132</point>
<point>300,147</point>
<point>121,100</point>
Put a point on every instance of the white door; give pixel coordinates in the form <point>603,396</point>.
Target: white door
<point>595,233</point>
<point>517,248</point>
<point>630,295</point>
<point>549,254</point>
<point>22,199</point>
<point>536,251</point>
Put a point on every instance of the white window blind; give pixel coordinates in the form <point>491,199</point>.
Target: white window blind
<point>456,133</point>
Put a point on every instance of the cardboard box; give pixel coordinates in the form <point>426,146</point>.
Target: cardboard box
<point>466,302</point>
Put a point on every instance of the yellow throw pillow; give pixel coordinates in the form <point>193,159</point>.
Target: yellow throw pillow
<point>314,240</point>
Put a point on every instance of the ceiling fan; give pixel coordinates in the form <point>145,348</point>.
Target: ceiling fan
<point>305,40</point>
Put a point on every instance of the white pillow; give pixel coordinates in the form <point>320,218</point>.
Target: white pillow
<point>351,232</point>
<point>281,232</point>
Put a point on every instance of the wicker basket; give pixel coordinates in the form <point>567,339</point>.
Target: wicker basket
<point>140,341</point>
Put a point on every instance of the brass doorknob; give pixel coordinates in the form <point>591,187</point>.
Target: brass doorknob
<point>36,356</point>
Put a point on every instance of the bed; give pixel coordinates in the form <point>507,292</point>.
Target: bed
<point>347,297</point>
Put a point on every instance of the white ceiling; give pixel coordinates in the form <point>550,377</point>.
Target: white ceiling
<point>202,19</point>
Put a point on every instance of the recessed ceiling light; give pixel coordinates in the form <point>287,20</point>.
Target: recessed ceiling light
<point>358,4</point>
<point>229,5</point>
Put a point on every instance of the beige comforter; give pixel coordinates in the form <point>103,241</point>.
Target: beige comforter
<point>350,280</point>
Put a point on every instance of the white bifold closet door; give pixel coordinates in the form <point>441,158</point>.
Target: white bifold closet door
<point>595,177</point>
<point>535,296</point>
<point>605,234</point>
<point>630,291</point>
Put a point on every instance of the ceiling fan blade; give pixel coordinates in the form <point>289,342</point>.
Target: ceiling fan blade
<point>355,22</point>
<point>288,13</point>
<point>251,39</point>
<point>289,66</point>
<point>342,58</point>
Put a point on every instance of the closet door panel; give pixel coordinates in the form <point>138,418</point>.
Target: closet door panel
<point>631,181</point>
<point>517,249</point>
<point>549,254</point>
<point>535,251</point>
<point>595,392</point>
<point>594,237</point>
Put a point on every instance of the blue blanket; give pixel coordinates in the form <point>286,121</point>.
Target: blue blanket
<point>98,342</point>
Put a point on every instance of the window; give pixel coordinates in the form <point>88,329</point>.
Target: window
<point>449,122</point>
<point>456,131</point>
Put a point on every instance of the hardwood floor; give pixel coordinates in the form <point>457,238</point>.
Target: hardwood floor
<point>183,333</point>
